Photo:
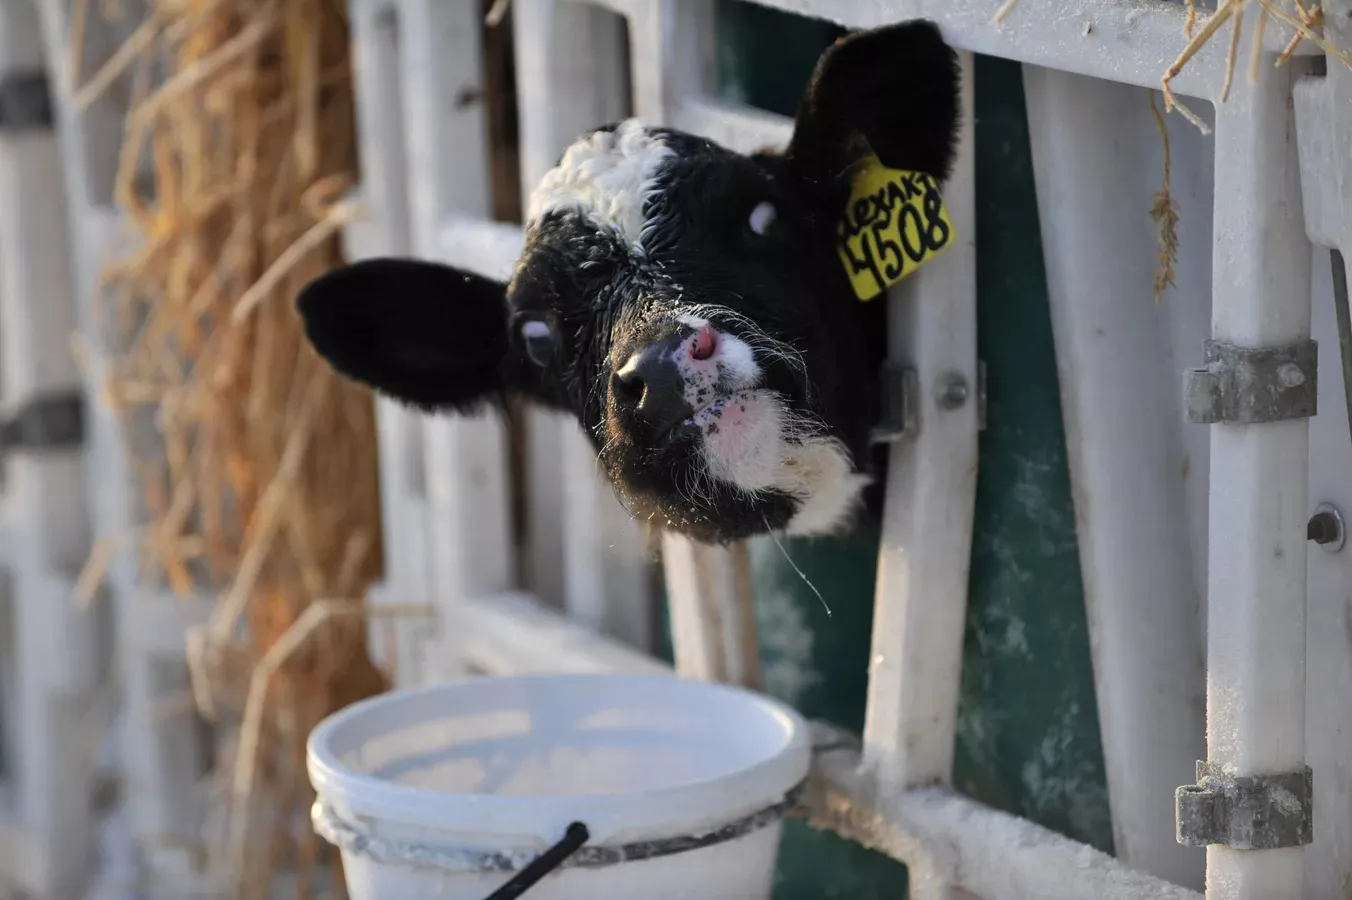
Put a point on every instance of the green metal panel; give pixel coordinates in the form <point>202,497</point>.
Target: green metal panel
<point>1028,738</point>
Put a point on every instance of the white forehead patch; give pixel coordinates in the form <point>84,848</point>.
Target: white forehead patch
<point>608,176</point>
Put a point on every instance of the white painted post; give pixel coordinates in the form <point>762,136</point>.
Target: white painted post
<point>378,36</point>
<point>1256,593</point>
<point>159,757</point>
<point>45,825</point>
<point>470,550</point>
<point>1328,668</point>
<point>1092,157</point>
<point>1324,129</point>
<point>927,526</point>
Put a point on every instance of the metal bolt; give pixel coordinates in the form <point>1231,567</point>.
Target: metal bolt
<point>1290,375</point>
<point>951,392</point>
<point>1326,529</point>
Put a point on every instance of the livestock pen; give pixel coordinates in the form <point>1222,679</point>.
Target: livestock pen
<point>1201,529</point>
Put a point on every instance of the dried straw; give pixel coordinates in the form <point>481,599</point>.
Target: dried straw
<point>260,487</point>
<point>1306,22</point>
<point>1164,213</point>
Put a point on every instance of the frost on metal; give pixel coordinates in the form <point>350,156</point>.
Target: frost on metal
<point>1253,812</point>
<point>950,840</point>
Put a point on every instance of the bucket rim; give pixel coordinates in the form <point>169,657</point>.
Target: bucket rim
<point>659,812</point>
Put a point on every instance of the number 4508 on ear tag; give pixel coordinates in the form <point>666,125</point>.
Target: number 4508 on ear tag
<point>894,223</point>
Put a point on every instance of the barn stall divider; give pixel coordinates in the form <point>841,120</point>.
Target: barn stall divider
<point>1192,535</point>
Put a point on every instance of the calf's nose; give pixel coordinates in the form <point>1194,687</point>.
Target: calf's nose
<point>651,382</point>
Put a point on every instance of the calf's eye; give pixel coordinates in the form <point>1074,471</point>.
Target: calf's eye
<point>762,217</point>
<point>538,338</point>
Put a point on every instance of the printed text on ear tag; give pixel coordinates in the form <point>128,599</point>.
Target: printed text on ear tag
<point>894,223</point>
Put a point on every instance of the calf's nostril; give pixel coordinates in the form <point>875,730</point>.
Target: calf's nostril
<point>705,344</point>
<point>650,384</point>
<point>627,384</point>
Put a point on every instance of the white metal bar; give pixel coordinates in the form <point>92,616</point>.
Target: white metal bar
<point>556,84</point>
<point>159,762</point>
<point>1130,41</point>
<point>378,34</point>
<point>1324,130</point>
<point>921,596</point>
<point>952,843</point>
<point>1123,435</point>
<point>480,245</point>
<point>712,611</point>
<point>744,129</point>
<point>470,549</point>
<point>43,513</point>
<point>515,634</point>
<point>1328,669</point>
<point>1256,594</point>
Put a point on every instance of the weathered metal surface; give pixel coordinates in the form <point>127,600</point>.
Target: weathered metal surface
<point>1254,384</point>
<point>1246,812</point>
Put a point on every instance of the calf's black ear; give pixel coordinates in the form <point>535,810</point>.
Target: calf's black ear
<point>420,332</point>
<point>897,87</point>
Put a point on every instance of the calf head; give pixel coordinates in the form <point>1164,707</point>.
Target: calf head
<point>685,303</point>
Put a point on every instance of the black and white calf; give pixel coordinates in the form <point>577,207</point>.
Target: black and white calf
<point>686,303</point>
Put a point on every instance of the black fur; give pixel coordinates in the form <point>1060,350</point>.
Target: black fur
<point>439,338</point>
<point>428,334</point>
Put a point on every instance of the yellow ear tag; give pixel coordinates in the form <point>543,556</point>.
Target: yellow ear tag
<point>894,223</point>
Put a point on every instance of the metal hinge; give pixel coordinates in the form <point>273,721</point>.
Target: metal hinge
<point>25,102</point>
<point>901,404</point>
<point>1245,812</point>
<point>1245,384</point>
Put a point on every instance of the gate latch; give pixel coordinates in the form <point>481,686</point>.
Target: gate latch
<point>1245,812</point>
<point>1243,384</point>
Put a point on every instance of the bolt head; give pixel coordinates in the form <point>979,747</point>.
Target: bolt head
<point>1326,528</point>
<point>1290,375</point>
<point>951,392</point>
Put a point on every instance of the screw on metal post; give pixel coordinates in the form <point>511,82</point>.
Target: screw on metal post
<point>1326,528</point>
<point>901,397</point>
<point>951,391</point>
<point>1246,384</point>
<point>1245,812</point>
<point>574,837</point>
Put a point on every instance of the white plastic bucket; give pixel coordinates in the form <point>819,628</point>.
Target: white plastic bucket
<point>447,792</point>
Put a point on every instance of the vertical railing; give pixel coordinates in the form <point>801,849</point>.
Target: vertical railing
<point>161,763</point>
<point>1259,479</point>
<point>1125,438</point>
<point>921,597</point>
<point>47,841</point>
